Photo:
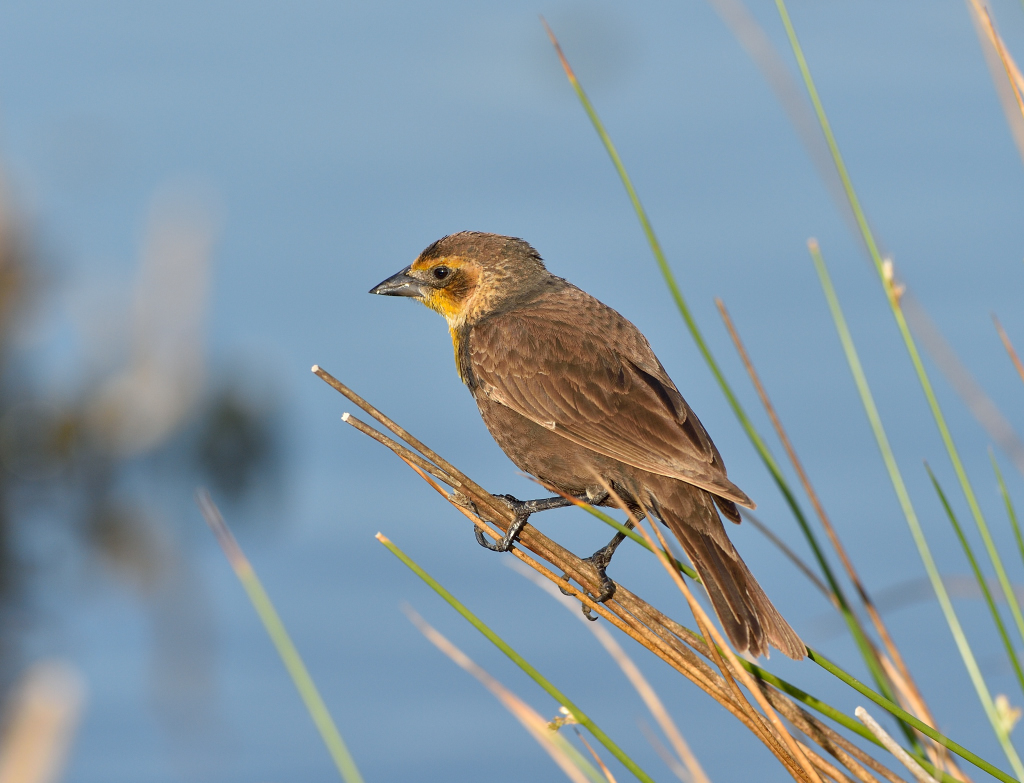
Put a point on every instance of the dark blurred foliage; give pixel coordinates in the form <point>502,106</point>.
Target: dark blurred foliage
<point>237,443</point>
<point>75,458</point>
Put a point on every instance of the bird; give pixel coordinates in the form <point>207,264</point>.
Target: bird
<point>573,394</point>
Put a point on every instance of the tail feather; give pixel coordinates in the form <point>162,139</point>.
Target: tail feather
<point>750,619</point>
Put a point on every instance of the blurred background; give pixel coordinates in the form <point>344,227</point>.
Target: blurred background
<point>195,199</point>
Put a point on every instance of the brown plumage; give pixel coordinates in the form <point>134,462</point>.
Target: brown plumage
<point>572,391</point>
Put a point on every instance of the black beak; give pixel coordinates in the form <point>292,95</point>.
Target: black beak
<point>400,284</point>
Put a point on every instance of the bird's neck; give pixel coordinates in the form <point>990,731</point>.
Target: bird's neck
<point>460,344</point>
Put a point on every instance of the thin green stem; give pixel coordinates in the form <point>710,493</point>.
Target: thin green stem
<point>831,712</point>
<point>980,577</point>
<point>282,641</point>
<point>867,650</point>
<point>893,293</point>
<point>868,401</point>
<point>633,536</point>
<point>581,717</point>
<point>1010,511</point>
<point>924,728</point>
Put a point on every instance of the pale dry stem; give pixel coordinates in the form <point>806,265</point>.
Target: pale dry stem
<point>892,663</point>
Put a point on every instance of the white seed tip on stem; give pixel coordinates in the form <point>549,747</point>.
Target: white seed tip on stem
<point>316,368</point>
<point>345,415</point>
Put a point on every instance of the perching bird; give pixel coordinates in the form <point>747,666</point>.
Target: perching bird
<point>571,391</point>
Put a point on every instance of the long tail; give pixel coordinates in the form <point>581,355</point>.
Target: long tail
<point>751,620</point>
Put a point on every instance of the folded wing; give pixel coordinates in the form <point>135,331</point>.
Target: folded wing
<point>602,389</point>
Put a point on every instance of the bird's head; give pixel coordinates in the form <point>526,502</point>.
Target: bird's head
<point>469,275</point>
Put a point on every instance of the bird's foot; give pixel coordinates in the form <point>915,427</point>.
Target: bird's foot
<point>522,509</point>
<point>600,560</point>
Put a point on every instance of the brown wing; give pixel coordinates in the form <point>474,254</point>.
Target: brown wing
<point>580,369</point>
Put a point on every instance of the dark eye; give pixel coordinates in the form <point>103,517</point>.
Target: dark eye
<point>441,272</point>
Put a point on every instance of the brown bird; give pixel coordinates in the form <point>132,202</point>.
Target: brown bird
<point>572,391</point>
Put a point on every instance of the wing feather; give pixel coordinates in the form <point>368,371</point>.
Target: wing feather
<point>610,396</point>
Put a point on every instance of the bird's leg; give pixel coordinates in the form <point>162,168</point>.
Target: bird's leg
<point>522,509</point>
<point>600,560</point>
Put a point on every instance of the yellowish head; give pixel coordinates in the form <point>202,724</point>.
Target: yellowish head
<point>449,285</point>
<point>469,275</point>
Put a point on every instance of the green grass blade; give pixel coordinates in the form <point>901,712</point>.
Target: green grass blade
<point>633,536</point>
<point>982,582</point>
<point>1010,511</point>
<point>581,717</point>
<point>893,293</point>
<point>860,637</point>
<point>868,400</point>
<point>924,728</point>
<point>562,752</point>
<point>815,703</point>
<point>282,641</point>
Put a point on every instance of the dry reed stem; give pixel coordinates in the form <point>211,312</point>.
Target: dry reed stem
<point>718,645</point>
<point>1001,64</point>
<point>848,754</point>
<point>698,672</point>
<point>1013,75</point>
<point>629,615</point>
<point>904,683</point>
<point>677,655</point>
<point>1009,348</point>
<point>673,643</point>
<point>821,765</point>
<point>636,678</point>
<point>872,725</point>
<point>604,767</point>
<point>530,719</point>
<point>792,556</point>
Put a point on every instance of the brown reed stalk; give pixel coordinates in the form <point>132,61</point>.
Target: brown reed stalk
<point>895,667</point>
<point>1009,347</point>
<point>792,556</point>
<point>678,646</point>
<point>776,730</point>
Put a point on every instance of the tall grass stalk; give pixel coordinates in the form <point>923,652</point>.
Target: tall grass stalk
<point>893,292</point>
<point>282,641</point>
<point>1011,512</point>
<point>581,717</point>
<point>853,623</point>
<point>896,477</point>
<point>980,577</point>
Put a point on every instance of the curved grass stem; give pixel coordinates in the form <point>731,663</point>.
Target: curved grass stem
<point>853,623</point>
<point>581,717</point>
<point>903,496</point>
<point>980,577</point>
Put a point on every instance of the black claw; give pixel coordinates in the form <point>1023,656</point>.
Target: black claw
<point>522,509</point>
<point>607,585</point>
